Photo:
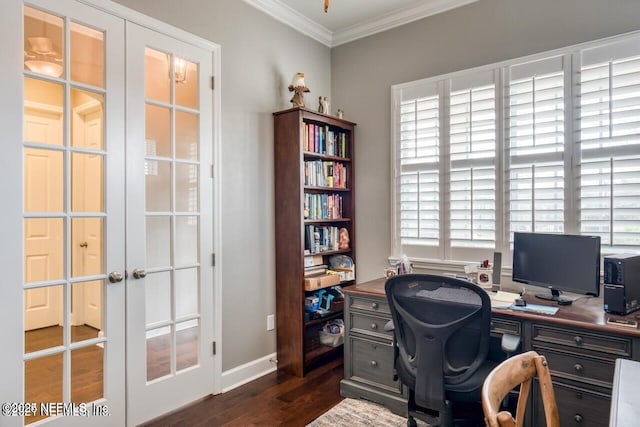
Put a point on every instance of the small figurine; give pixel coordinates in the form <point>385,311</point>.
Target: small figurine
<point>298,88</point>
<point>323,106</point>
<point>343,239</point>
<point>339,113</point>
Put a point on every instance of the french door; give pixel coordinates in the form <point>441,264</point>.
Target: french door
<point>73,216</point>
<point>107,218</point>
<point>169,223</point>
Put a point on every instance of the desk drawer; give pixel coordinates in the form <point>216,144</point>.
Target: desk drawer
<point>374,305</point>
<point>615,345</point>
<point>369,325</point>
<point>504,326</point>
<point>579,367</point>
<point>372,363</point>
<point>576,407</point>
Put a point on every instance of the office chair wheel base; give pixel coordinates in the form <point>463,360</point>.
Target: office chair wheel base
<point>411,422</point>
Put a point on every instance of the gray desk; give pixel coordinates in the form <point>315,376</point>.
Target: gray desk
<point>625,405</point>
<point>579,345</point>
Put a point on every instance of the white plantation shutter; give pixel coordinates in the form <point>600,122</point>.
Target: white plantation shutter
<point>419,167</point>
<point>609,140</point>
<point>548,143</point>
<point>472,148</point>
<point>535,145</point>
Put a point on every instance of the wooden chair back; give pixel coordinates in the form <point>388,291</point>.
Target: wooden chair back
<point>518,370</point>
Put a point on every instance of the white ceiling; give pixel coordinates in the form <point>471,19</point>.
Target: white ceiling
<point>348,20</point>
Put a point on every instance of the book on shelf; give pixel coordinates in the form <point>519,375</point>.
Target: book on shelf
<point>322,139</point>
<point>320,239</point>
<point>320,173</point>
<point>313,260</point>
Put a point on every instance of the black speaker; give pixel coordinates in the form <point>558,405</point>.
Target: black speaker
<point>497,269</point>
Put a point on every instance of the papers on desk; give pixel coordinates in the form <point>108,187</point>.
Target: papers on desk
<point>503,299</point>
<point>535,308</point>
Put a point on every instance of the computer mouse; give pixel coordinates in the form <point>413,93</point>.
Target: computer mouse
<point>520,302</point>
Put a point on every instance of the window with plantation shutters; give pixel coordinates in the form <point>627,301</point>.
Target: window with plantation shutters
<point>535,114</point>
<point>472,148</point>
<point>419,166</point>
<point>609,140</point>
<point>549,144</point>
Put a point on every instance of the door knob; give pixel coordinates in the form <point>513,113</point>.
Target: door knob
<point>139,273</point>
<point>115,277</point>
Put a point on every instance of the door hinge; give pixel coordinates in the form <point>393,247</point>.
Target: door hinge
<point>212,175</point>
<point>214,348</point>
<point>213,82</point>
<point>213,260</point>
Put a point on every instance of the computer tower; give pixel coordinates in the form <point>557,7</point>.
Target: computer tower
<point>621,283</point>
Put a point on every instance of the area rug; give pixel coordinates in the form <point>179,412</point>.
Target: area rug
<point>360,413</point>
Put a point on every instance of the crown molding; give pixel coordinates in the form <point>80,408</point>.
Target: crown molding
<point>395,19</point>
<point>285,14</point>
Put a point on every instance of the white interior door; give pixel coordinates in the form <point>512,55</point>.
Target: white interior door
<point>73,225</point>
<point>169,224</point>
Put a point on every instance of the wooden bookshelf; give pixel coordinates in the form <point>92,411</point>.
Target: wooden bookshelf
<point>298,343</point>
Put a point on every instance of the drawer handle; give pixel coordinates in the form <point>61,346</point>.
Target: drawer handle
<point>374,305</point>
<point>578,340</point>
<point>374,363</point>
<point>374,326</point>
<point>578,368</point>
<point>578,418</point>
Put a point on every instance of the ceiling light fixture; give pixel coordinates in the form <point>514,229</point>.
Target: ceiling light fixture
<point>41,58</point>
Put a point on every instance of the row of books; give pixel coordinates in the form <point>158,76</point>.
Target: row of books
<point>318,173</point>
<point>322,139</point>
<point>322,206</point>
<point>320,239</point>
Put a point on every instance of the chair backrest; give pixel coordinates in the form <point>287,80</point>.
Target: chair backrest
<point>442,328</point>
<point>518,370</point>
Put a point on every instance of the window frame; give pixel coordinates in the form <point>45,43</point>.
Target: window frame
<point>443,257</point>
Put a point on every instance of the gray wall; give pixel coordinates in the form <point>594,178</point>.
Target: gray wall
<point>259,57</point>
<point>481,33</point>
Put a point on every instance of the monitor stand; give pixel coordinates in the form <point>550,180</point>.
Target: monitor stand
<point>554,295</point>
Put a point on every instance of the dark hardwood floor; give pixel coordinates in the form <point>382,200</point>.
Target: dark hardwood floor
<point>276,399</point>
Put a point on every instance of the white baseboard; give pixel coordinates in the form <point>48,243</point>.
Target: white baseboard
<point>248,372</point>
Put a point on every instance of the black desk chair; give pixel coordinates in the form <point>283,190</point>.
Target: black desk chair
<point>441,328</point>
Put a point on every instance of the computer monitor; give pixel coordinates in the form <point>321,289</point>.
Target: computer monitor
<point>560,262</point>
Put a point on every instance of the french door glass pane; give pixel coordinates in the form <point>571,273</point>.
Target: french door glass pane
<point>87,183</point>
<point>43,318</point>
<point>186,240</point>
<point>43,43</point>
<point>187,136</point>
<point>158,232</point>
<point>87,310</point>
<point>86,246</point>
<point>187,339</point>
<point>187,87</point>
<point>158,298</point>
<point>87,55</point>
<point>157,186</point>
<point>43,382</point>
<point>43,249</point>
<point>186,292</point>
<point>43,184</point>
<point>156,76</point>
<point>87,119</point>
<point>87,382</point>
<point>159,352</point>
<point>186,187</point>
<point>43,108</point>
<point>158,131</point>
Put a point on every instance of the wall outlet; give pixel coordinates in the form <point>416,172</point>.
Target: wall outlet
<point>271,322</point>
